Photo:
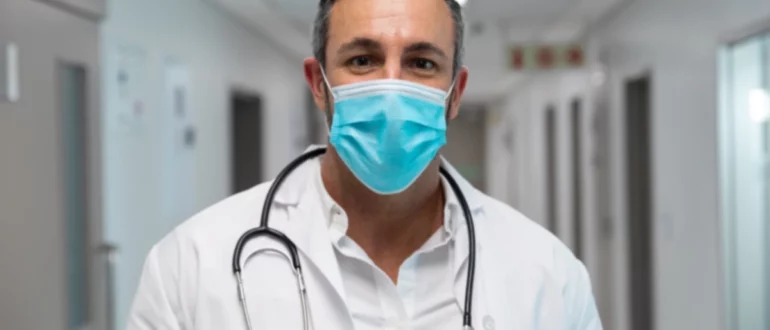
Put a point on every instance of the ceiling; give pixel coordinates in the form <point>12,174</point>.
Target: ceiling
<point>531,11</point>
<point>493,26</point>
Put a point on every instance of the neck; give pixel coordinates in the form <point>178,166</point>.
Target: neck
<point>389,228</point>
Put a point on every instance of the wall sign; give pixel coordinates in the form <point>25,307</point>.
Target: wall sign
<point>179,142</point>
<point>127,85</point>
<point>546,57</point>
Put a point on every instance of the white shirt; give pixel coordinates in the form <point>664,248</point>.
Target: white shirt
<point>423,297</point>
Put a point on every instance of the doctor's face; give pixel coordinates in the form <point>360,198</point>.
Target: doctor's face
<point>411,40</point>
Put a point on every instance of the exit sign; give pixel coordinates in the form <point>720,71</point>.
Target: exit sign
<point>546,57</point>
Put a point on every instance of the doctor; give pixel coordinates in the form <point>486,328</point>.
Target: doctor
<point>380,233</point>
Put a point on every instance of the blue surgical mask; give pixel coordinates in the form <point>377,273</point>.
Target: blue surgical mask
<point>388,131</point>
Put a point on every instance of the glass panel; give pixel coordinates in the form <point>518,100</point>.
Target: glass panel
<point>746,153</point>
<point>766,174</point>
<point>72,84</point>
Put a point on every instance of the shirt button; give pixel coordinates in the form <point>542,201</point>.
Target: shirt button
<point>489,323</point>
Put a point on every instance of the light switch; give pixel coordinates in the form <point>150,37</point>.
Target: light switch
<point>9,73</point>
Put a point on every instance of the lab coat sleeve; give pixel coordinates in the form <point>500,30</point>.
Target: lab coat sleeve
<point>156,304</point>
<point>581,306</point>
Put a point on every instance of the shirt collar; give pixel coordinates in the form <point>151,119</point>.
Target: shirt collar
<point>338,221</point>
<point>335,216</point>
<point>296,183</point>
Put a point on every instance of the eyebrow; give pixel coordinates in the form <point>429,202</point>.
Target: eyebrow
<point>365,43</point>
<point>425,47</point>
<point>374,45</point>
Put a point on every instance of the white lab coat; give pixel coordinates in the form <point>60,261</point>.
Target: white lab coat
<point>526,279</point>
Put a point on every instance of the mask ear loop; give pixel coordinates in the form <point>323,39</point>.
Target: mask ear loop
<point>447,98</point>
<point>451,90</point>
<point>326,82</point>
<point>327,121</point>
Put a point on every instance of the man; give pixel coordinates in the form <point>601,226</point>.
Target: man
<point>382,236</point>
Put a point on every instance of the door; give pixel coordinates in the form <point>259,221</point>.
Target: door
<point>745,154</point>
<point>53,273</point>
<point>246,140</point>
<point>639,201</point>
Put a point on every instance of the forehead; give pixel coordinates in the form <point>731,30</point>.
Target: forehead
<point>392,22</point>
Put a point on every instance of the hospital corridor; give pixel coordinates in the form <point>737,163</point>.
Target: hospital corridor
<point>637,132</point>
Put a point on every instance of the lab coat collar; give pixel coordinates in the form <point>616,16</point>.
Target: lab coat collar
<point>292,190</point>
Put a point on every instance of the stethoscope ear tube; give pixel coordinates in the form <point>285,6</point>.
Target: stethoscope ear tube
<point>264,225</point>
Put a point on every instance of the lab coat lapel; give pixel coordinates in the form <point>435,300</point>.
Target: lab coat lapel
<point>297,213</point>
<point>461,278</point>
<point>491,309</point>
<point>312,238</point>
<point>305,225</point>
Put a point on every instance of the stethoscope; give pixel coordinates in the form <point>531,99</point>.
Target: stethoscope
<point>265,230</point>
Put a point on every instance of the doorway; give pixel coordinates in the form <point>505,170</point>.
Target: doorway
<point>50,189</point>
<point>74,121</point>
<point>552,200</point>
<point>576,109</point>
<point>246,140</point>
<point>639,201</point>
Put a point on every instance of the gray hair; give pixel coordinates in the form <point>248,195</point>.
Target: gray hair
<point>321,32</point>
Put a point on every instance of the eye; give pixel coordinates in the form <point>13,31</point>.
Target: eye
<point>424,65</point>
<point>360,61</point>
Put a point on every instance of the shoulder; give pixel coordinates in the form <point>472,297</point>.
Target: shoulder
<point>215,229</point>
<point>541,260</point>
<point>529,245</point>
<point>213,233</point>
<point>169,284</point>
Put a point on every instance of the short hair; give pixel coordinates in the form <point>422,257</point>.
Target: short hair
<point>321,32</point>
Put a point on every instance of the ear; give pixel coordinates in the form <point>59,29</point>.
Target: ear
<point>457,92</point>
<point>316,82</point>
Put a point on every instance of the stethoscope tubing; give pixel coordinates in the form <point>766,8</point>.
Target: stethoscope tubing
<point>265,230</point>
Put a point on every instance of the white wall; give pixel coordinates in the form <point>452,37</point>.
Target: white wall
<point>498,153</point>
<point>218,54</point>
<point>522,171</point>
<point>525,109</point>
<point>677,42</point>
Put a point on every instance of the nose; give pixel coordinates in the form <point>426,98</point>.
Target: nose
<point>392,68</point>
